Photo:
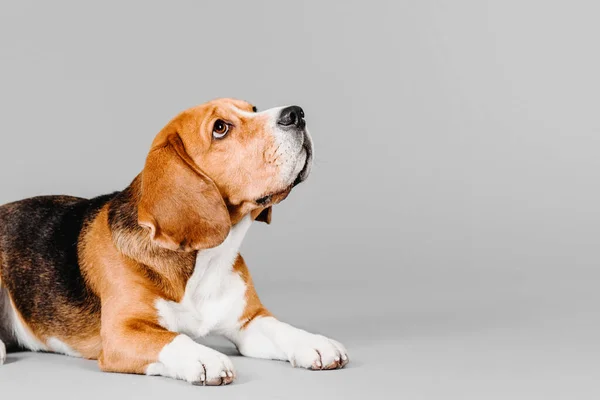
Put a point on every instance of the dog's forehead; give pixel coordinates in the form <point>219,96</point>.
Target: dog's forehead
<point>223,108</point>
<point>234,105</point>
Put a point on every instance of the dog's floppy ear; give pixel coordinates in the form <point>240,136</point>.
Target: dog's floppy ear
<point>265,215</point>
<point>180,205</point>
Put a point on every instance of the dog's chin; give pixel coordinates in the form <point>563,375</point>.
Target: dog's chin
<point>280,195</point>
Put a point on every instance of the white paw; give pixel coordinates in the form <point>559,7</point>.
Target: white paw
<point>317,352</point>
<point>192,362</point>
<point>2,352</point>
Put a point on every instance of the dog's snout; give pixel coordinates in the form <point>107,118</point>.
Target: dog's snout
<point>292,116</point>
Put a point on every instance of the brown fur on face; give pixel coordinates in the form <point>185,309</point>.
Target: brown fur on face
<point>180,205</point>
<point>188,207</point>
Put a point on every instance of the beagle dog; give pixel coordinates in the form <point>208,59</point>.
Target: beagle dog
<point>133,277</point>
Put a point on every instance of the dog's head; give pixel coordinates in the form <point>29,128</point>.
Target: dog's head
<point>215,163</point>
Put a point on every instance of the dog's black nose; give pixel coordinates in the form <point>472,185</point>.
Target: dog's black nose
<point>292,116</point>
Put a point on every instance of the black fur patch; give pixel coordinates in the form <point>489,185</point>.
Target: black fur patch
<point>39,257</point>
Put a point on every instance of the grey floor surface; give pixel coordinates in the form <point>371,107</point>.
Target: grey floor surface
<point>426,337</point>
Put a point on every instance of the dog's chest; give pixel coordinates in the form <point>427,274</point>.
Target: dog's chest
<point>215,295</point>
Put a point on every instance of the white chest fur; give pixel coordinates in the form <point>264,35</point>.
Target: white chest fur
<point>215,295</point>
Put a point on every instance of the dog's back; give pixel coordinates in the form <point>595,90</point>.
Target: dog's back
<point>39,268</point>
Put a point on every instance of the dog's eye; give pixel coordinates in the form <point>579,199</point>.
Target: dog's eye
<point>220,129</point>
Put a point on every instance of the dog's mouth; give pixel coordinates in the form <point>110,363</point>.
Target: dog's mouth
<point>263,201</point>
<point>303,175</point>
<point>273,198</point>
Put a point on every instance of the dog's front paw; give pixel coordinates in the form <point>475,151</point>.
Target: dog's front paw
<point>187,360</point>
<point>317,352</point>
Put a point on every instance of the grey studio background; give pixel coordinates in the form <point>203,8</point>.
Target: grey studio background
<point>449,233</point>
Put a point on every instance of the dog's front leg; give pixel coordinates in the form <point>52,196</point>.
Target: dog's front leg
<point>134,342</point>
<point>260,335</point>
<point>267,337</point>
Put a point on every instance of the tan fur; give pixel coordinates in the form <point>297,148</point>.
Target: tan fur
<point>183,210</point>
<point>130,334</point>
<point>254,308</point>
<point>173,186</point>
<point>142,245</point>
<point>244,166</point>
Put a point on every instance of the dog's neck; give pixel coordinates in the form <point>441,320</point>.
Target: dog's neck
<point>168,269</point>
<point>134,241</point>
